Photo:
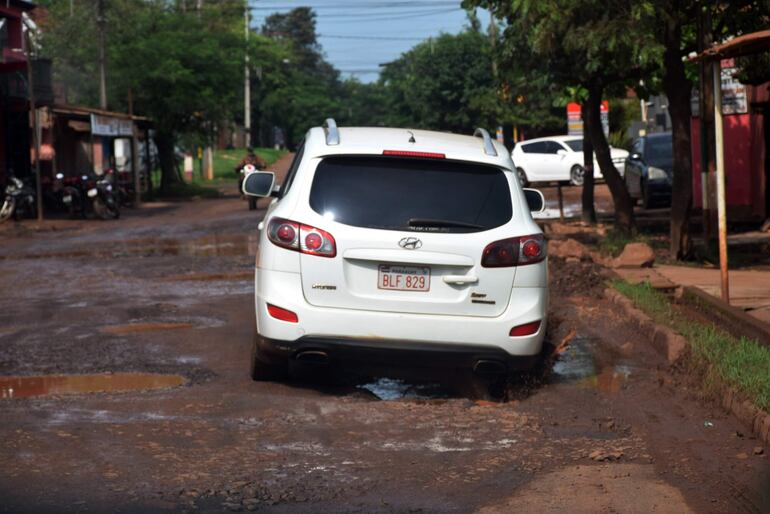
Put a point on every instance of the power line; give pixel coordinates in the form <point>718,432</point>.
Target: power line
<point>377,38</point>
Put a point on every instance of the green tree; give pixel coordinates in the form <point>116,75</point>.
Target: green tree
<point>183,66</point>
<point>583,45</point>
<point>443,84</point>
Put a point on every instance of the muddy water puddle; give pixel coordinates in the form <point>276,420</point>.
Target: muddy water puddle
<point>581,363</point>
<point>394,389</point>
<point>26,387</point>
<point>233,245</point>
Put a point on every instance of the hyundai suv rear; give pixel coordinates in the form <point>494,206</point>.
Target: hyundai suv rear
<point>398,247</point>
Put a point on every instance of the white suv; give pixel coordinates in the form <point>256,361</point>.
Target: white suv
<point>398,247</point>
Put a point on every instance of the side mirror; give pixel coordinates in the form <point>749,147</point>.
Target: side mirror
<point>259,183</point>
<point>561,152</point>
<point>635,157</point>
<point>535,200</point>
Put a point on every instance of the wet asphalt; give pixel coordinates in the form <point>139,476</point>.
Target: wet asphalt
<point>124,387</point>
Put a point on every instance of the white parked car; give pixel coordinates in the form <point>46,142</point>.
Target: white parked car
<point>399,247</point>
<point>558,158</point>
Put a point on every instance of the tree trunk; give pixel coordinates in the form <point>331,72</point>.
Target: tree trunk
<point>169,173</point>
<point>589,210</point>
<point>624,207</point>
<point>678,90</point>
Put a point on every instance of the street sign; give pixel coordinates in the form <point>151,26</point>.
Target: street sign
<point>108,126</point>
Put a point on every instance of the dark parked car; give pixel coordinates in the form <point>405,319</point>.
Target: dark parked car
<point>649,168</point>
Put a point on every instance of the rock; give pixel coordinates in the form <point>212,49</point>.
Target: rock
<point>251,504</point>
<point>568,249</point>
<point>604,455</point>
<point>635,255</point>
<point>758,450</point>
<point>742,456</point>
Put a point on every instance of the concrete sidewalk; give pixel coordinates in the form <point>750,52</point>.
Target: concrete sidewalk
<point>749,289</point>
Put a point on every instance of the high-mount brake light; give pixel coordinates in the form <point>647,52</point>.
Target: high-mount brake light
<point>301,238</point>
<point>527,329</point>
<point>514,251</point>
<point>405,153</point>
<point>282,314</point>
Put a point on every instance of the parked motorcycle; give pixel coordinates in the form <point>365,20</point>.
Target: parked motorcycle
<point>249,168</point>
<point>19,200</point>
<point>104,197</point>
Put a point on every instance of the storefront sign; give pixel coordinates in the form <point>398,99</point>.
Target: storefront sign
<point>114,127</point>
<point>575,121</point>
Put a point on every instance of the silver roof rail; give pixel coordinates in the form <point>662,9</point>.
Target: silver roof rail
<point>489,147</point>
<point>332,133</point>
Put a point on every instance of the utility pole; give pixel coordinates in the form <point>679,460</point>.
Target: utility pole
<point>35,129</point>
<point>134,152</point>
<point>102,24</point>
<point>720,172</point>
<point>493,39</point>
<point>72,8</point>
<point>247,84</point>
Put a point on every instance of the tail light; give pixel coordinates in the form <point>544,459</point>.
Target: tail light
<point>282,314</point>
<point>514,251</point>
<point>526,329</point>
<point>301,238</point>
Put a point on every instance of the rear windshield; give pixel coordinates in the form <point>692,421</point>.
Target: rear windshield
<point>411,194</point>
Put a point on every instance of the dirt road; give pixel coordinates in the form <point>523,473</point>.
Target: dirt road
<point>168,291</point>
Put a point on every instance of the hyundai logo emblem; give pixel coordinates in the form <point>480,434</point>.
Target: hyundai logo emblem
<point>410,243</point>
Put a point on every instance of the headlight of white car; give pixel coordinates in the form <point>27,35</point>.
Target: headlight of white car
<point>654,173</point>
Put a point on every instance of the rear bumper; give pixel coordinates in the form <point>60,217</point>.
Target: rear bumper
<point>357,354</point>
<point>388,330</point>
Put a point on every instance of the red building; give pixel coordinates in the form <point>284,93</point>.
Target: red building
<point>14,103</point>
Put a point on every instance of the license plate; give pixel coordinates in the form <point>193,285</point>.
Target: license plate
<point>403,278</point>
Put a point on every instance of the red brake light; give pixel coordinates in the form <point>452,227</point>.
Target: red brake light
<point>282,314</point>
<point>514,251</point>
<point>526,329</point>
<point>286,233</point>
<point>404,153</point>
<point>301,238</point>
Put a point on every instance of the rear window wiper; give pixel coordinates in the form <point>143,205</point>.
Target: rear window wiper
<point>429,222</point>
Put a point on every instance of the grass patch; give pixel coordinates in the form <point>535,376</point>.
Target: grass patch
<point>741,363</point>
<point>224,174</point>
<point>225,161</point>
<point>614,241</point>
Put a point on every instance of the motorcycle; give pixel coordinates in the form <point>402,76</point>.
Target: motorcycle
<point>104,198</point>
<point>90,193</point>
<point>249,168</point>
<point>19,200</point>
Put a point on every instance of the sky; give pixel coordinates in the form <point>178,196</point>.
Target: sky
<point>359,35</point>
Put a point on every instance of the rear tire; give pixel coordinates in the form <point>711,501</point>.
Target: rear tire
<point>576,175</point>
<point>646,200</point>
<point>262,371</point>
<point>252,203</point>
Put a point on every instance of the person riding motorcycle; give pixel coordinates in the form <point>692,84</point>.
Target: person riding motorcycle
<point>251,159</point>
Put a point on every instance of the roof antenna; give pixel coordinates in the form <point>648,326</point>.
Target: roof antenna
<point>411,137</point>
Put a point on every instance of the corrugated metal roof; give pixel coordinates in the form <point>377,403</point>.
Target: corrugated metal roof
<point>746,44</point>
<point>87,111</point>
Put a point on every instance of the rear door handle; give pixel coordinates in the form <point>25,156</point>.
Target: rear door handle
<point>460,279</point>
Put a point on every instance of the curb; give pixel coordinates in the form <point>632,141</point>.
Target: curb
<point>672,346</point>
<point>665,341</point>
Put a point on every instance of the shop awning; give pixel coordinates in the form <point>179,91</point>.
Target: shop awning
<point>748,44</point>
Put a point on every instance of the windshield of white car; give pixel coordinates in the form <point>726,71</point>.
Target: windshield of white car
<point>394,193</point>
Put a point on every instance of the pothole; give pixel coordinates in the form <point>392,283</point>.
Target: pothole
<point>133,328</point>
<point>45,385</point>
<point>581,363</point>
<point>393,389</point>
